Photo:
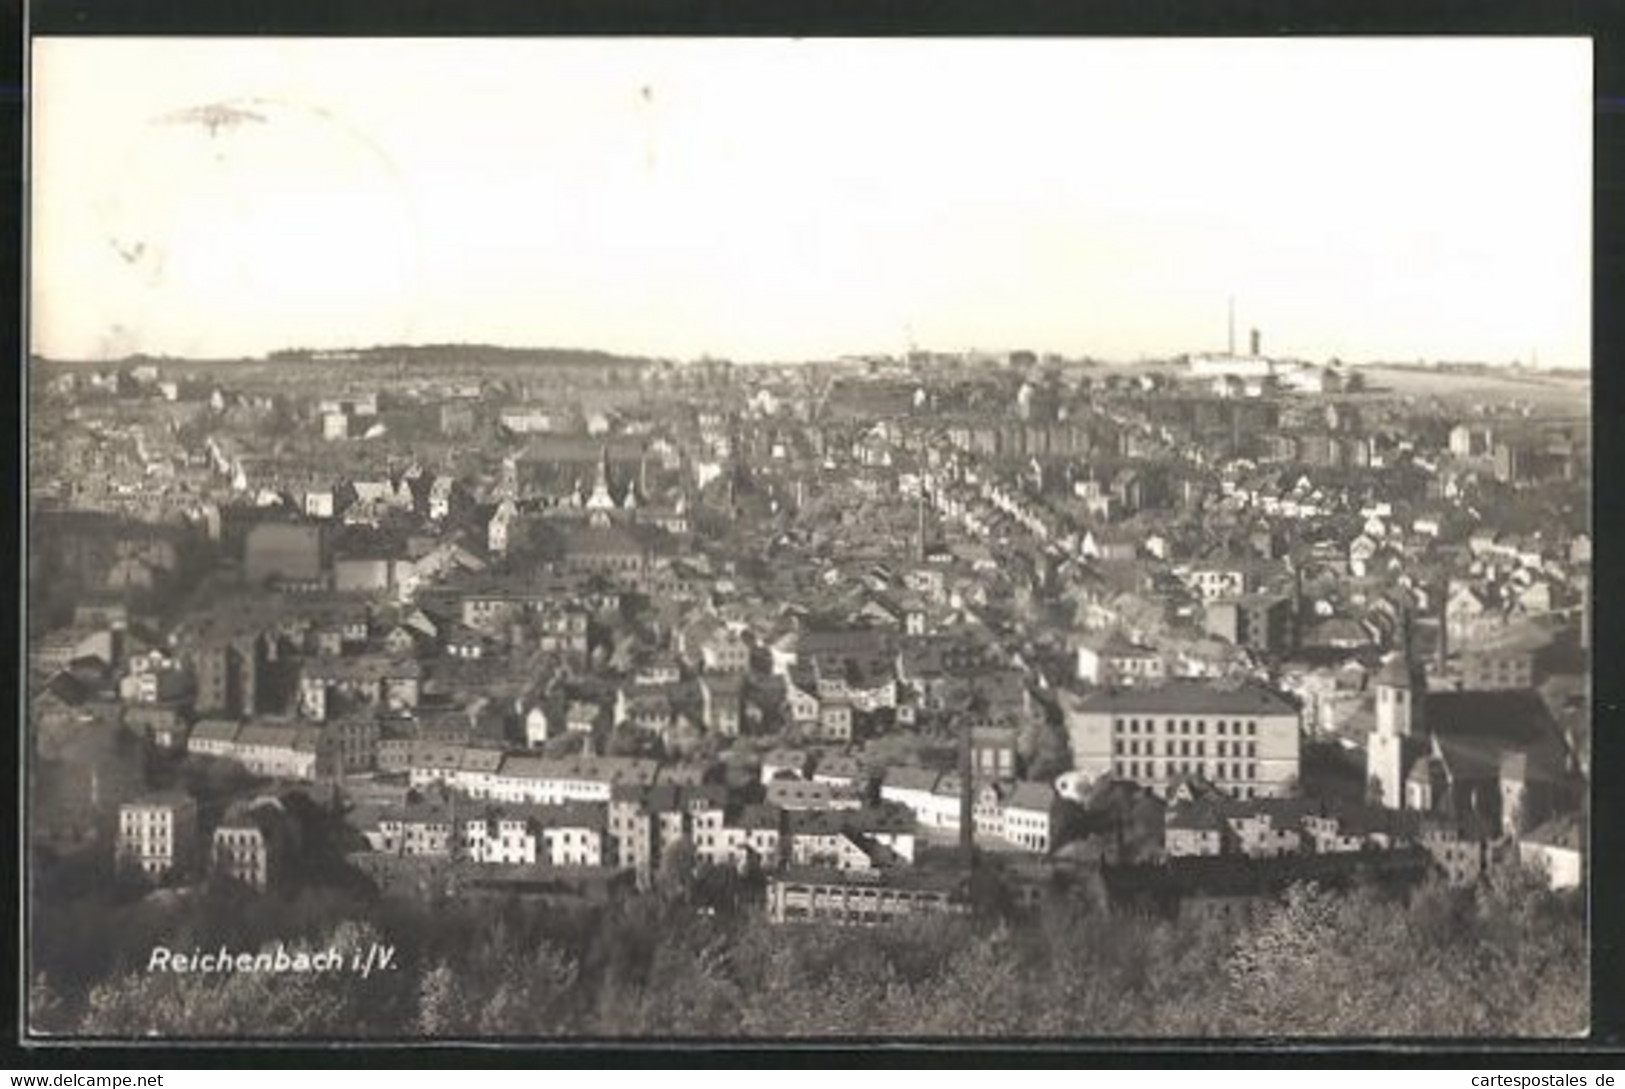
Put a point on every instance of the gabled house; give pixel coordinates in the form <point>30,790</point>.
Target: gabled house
<point>648,708</point>
<point>722,699</point>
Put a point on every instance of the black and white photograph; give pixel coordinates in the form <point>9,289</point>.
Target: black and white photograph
<point>807,539</point>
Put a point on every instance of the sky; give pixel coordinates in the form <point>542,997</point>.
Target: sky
<point>1399,199</point>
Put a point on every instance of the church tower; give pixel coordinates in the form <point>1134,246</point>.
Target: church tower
<point>1401,687</point>
<point>601,499</point>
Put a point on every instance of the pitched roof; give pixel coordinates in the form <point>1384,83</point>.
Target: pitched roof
<point>571,815</point>
<point>1029,795</point>
<point>1512,717</point>
<point>364,668</point>
<point>1190,697</point>
<point>1396,672</point>
<point>1197,817</point>
<point>214,730</point>
<point>1565,831</point>
<point>910,778</point>
<point>838,764</point>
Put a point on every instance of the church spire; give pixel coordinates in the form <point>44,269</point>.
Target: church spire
<point>601,498</point>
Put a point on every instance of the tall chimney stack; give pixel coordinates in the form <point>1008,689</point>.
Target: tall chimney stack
<point>967,792</point>
<point>1232,341</point>
<point>1297,602</point>
<point>919,531</point>
<point>1256,342</point>
<point>1444,628</point>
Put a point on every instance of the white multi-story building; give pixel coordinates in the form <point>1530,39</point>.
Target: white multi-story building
<point>157,835</point>
<point>1242,738</point>
<point>1116,661</point>
<point>517,777</point>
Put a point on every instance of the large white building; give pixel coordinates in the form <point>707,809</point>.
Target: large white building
<point>157,835</point>
<point>1114,660</point>
<point>1242,738</point>
<point>1233,366</point>
<point>493,775</point>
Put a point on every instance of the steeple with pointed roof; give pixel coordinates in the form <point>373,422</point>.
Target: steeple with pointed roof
<point>601,497</point>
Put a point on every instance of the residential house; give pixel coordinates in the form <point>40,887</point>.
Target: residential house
<point>1498,670</point>
<point>785,764</point>
<point>1260,622</point>
<point>647,707</point>
<point>330,686</point>
<point>251,843</point>
<point>993,752</point>
<point>722,699</point>
<point>1556,850</point>
<point>1028,816</point>
<point>798,794</point>
<point>1193,830</point>
<point>158,835</point>
<point>917,789</point>
<point>1113,660</point>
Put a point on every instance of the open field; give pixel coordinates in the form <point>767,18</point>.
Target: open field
<point>1548,392</point>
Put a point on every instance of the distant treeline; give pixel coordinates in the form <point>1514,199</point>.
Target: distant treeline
<point>460,354</point>
<point>1483,368</point>
<point>412,354</point>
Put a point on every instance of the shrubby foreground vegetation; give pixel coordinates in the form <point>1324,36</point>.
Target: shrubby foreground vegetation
<point>1507,958</point>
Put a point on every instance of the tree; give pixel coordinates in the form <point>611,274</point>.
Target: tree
<point>282,421</point>
<point>1276,966</point>
<point>442,1008</point>
<point>46,1014</point>
<point>679,869</point>
<point>252,1003</point>
<point>1043,747</point>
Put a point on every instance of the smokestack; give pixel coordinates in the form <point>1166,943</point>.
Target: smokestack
<point>1297,605</point>
<point>919,544</point>
<point>967,793</point>
<point>1232,341</point>
<point>1256,342</point>
<point>1444,628</point>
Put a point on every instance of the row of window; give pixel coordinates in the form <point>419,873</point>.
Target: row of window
<point>1222,727</point>
<point>1153,769</point>
<point>1134,747</point>
<point>145,818</point>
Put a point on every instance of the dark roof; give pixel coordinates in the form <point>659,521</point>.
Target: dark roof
<point>758,817</point>
<point>571,815</point>
<point>1031,795</point>
<point>1196,817</point>
<point>1193,697</point>
<point>910,778</point>
<point>605,541</point>
<point>1511,717</point>
<point>947,881</point>
<point>1396,672</point>
<point>587,449</point>
<point>1565,831</point>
